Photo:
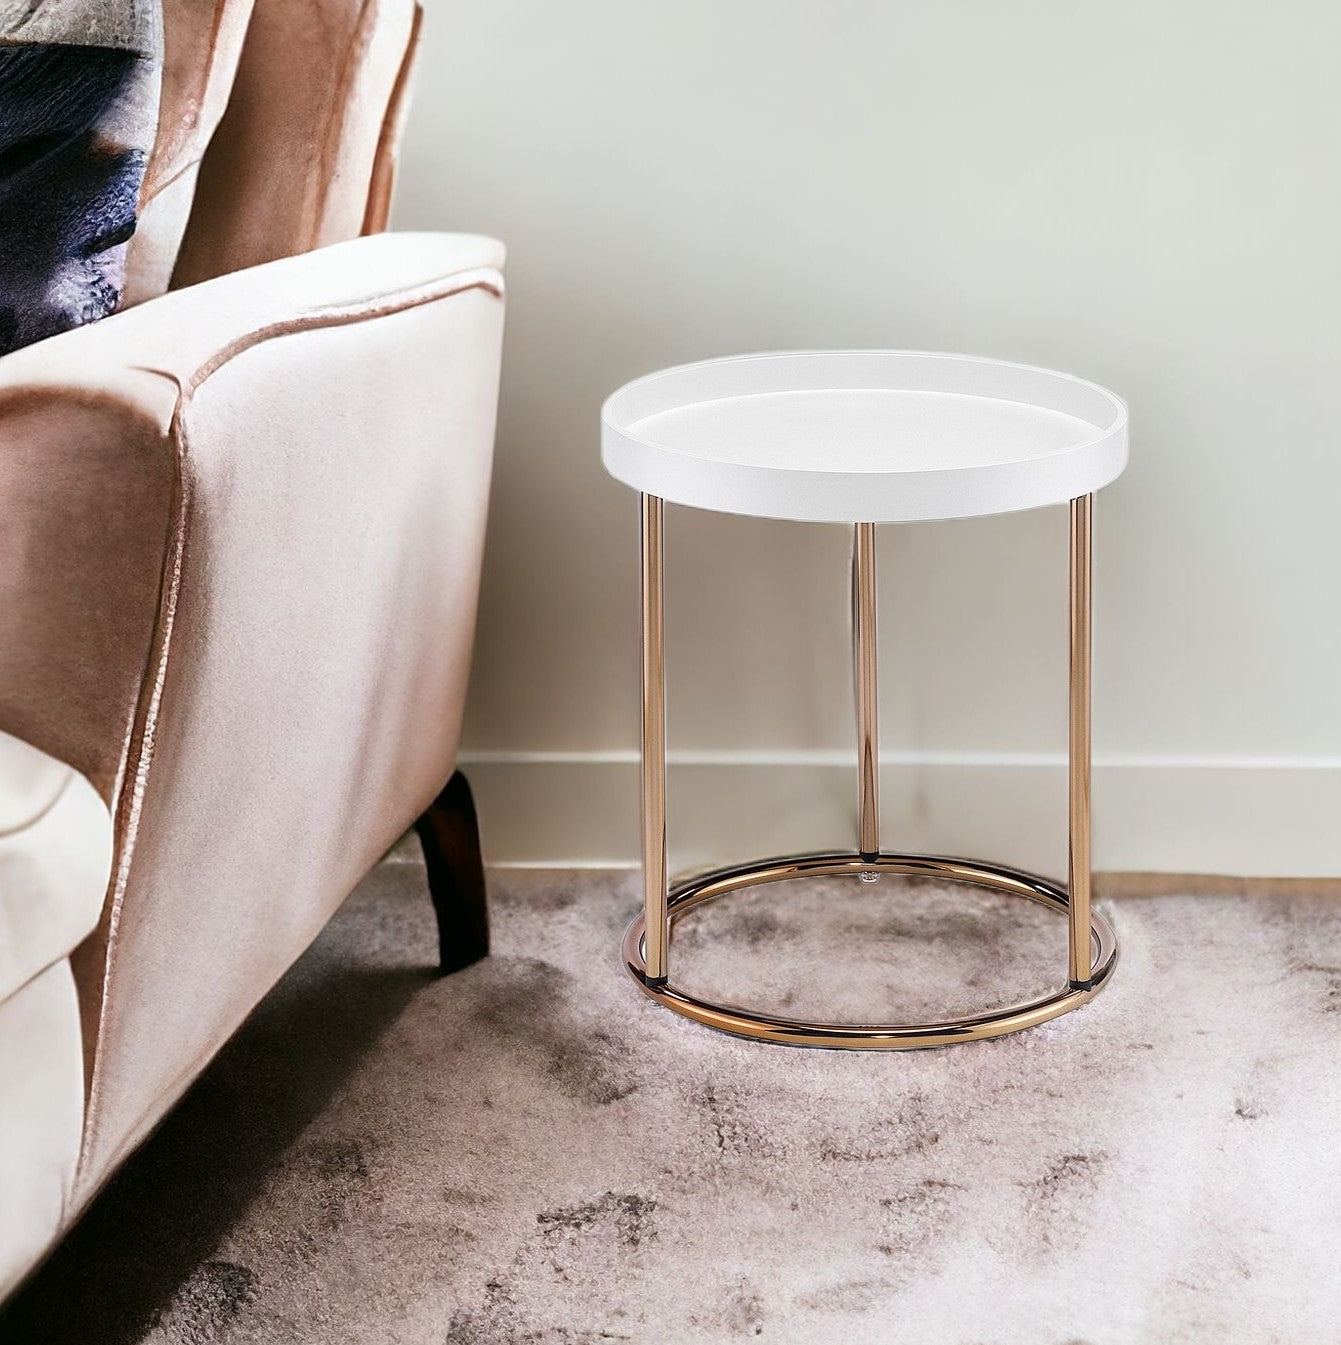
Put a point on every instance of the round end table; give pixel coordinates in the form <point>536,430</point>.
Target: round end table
<point>864,437</point>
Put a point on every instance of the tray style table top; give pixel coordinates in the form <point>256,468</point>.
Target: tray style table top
<point>869,436</point>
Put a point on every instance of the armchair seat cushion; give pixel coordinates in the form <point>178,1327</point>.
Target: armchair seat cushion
<point>55,861</point>
<point>41,1112</point>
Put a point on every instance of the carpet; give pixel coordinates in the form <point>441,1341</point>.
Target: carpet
<point>530,1152</point>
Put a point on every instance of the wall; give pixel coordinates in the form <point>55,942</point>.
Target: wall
<point>1145,194</point>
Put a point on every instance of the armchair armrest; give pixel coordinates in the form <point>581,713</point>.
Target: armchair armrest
<point>241,529</point>
<point>91,473</point>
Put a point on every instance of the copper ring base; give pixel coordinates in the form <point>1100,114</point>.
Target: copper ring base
<point>874,1036</point>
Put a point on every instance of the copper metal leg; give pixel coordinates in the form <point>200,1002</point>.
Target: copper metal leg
<point>1092,944</point>
<point>868,714</point>
<point>1082,552</point>
<point>654,742</point>
<point>872,1036</point>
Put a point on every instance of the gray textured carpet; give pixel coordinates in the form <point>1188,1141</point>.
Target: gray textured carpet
<point>531,1152</point>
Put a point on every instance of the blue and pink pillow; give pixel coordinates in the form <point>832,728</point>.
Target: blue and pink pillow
<point>79,90</point>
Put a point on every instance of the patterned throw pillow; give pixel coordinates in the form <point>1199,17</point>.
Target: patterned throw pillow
<point>79,85</point>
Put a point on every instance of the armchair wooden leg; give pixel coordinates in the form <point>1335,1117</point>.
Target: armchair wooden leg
<point>450,836</point>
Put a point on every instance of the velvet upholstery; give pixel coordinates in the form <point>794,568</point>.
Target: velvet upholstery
<point>41,1112</point>
<point>253,562</point>
<point>240,535</point>
<point>55,860</point>
<point>202,41</point>
<point>55,857</point>
<point>326,80</point>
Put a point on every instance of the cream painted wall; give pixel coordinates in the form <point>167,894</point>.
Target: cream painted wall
<point>1147,194</point>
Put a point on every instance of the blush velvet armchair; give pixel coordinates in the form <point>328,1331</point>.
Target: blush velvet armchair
<point>241,527</point>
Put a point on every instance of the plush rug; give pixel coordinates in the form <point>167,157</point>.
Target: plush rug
<point>531,1152</point>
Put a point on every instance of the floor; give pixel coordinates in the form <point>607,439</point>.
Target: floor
<point>531,1152</point>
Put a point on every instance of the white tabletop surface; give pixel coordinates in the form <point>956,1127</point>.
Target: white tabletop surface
<point>863,436</point>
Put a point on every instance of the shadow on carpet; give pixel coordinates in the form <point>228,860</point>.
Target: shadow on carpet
<point>148,1240</point>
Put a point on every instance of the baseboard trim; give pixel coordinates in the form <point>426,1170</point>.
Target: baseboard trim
<point>1209,817</point>
<point>1129,885</point>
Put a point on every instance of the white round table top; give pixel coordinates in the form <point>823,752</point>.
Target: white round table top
<point>864,436</point>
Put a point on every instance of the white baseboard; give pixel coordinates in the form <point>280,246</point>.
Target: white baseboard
<point>1251,817</point>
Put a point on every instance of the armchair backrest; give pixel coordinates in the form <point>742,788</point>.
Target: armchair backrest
<point>305,153</point>
<point>151,144</point>
<point>202,40</point>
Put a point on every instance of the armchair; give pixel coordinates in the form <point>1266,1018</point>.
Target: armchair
<point>241,528</point>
